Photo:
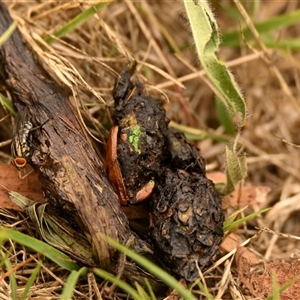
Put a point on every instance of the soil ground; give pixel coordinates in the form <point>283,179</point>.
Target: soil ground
<point>156,34</point>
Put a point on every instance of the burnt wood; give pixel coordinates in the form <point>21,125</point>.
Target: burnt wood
<point>71,173</point>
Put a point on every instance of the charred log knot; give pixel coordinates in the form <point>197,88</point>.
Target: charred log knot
<point>184,155</point>
<point>142,110</point>
<point>186,222</point>
<point>140,147</point>
<point>186,216</point>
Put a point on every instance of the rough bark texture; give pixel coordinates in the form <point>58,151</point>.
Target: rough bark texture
<point>186,216</point>
<point>153,162</point>
<point>71,173</point>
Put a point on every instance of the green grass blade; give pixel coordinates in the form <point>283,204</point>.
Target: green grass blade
<point>12,278</point>
<point>198,134</point>
<point>232,38</point>
<point>30,281</point>
<point>4,258</point>
<point>205,291</point>
<point>275,286</point>
<point>150,290</point>
<point>120,283</point>
<point>286,44</point>
<point>53,254</point>
<point>76,22</point>
<point>207,40</point>
<point>280,290</point>
<point>142,292</point>
<point>238,222</point>
<point>68,290</point>
<point>152,268</point>
<point>231,218</point>
<point>7,104</point>
<point>5,36</point>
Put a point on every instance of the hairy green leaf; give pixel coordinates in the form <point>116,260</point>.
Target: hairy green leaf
<point>207,40</point>
<point>236,168</point>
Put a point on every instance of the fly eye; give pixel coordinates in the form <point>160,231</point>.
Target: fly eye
<point>20,162</point>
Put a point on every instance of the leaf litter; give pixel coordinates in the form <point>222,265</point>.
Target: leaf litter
<point>271,162</point>
<point>261,285</point>
<point>186,216</point>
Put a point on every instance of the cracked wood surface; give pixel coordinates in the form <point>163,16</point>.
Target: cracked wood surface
<point>71,173</point>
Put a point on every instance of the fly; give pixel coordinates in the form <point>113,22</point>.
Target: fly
<point>21,141</point>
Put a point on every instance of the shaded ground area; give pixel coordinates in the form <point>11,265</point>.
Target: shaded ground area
<point>102,47</point>
<point>159,165</point>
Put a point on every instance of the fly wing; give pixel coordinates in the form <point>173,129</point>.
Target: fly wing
<point>21,135</point>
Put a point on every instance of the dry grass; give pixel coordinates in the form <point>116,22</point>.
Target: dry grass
<point>125,31</point>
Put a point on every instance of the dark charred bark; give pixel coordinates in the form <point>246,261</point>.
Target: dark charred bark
<point>71,174</point>
<point>186,216</point>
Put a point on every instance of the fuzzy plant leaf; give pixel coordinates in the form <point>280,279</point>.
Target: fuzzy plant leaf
<point>224,117</point>
<point>236,168</point>
<point>207,40</point>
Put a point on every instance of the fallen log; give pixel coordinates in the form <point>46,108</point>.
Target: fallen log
<point>71,174</point>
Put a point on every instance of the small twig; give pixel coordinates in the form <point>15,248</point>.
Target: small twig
<point>290,236</point>
<point>287,142</point>
<point>18,266</point>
